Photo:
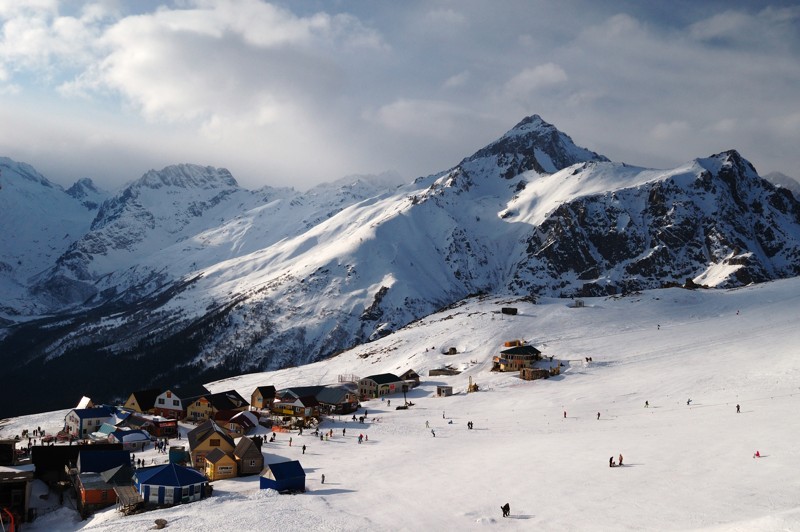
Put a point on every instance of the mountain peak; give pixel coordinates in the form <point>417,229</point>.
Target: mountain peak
<point>188,176</point>
<point>532,144</point>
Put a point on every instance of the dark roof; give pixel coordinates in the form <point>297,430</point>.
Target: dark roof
<point>146,399</point>
<point>245,445</point>
<point>120,475</point>
<point>216,455</point>
<point>333,395</point>
<point>265,391</point>
<point>286,470</point>
<point>227,400</point>
<point>96,462</point>
<point>522,350</point>
<point>203,431</point>
<point>89,413</point>
<point>170,475</point>
<point>300,391</point>
<point>48,457</point>
<point>384,378</point>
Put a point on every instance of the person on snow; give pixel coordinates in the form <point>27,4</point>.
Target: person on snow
<point>506,509</point>
<point>323,478</point>
<point>304,451</point>
<point>433,433</point>
<point>427,425</point>
<point>565,414</point>
<point>598,416</point>
<point>737,410</point>
<point>343,431</point>
<point>620,458</point>
<point>688,402</point>
<point>611,462</point>
<point>757,455</point>
<point>647,404</point>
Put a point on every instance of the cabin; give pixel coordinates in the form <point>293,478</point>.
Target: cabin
<point>81,422</point>
<point>380,385</point>
<point>97,490</point>
<point>168,405</point>
<point>284,477</point>
<point>338,399</point>
<point>532,374</point>
<point>220,465</point>
<point>143,401</point>
<point>170,484</point>
<point>205,438</point>
<point>299,402</point>
<point>262,398</point>
<point>131,440</point>
<point>516,357</point>
<point>247,454</point>
<point>198,409</point>
<point>444,391</point>
<point>411,377</point>
<point>228,400</point>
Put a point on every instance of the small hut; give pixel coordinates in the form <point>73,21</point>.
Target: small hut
<point>444,391</point>
<point>532,374</point>
<point>284,477</point>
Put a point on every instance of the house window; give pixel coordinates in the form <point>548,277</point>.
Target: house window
<point>252,463</point>
<point>161,400</point>
<point>214,442</point>
<point>185,492</point>
<point>175,402</point>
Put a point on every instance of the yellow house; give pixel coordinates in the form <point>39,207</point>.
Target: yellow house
<point>220,465</point>
<point>199,409</point>
<point>205,438</point>
<point>143,401</point>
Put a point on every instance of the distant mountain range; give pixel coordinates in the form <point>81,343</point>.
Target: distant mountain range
<point>184,276</point>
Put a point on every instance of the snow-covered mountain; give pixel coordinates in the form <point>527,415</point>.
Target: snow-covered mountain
<point>785,181</point>
<point>185,269</point>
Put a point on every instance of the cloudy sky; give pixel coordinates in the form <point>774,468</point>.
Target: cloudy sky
<point>298,92</point>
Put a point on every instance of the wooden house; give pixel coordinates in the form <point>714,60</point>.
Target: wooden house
<point>516,358</point>
<point>205,438</point>
<point>96,490</point>
<point>411,377</point>
<point>531,374</point>
<point>248,457</point>
<point>262,398</point>
<point>338,399</point>
<point>168,405</point>
<point>380,385</point>
<point>227,400</point>
<point>220,465</point>
<point>81,422</point>
<point>199,409</point>
<point>143,401</point>
<point>284,477</point>
<point>444,391</point>
<point>170,484</point>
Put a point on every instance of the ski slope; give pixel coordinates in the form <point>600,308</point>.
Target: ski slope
<point>687,467</point>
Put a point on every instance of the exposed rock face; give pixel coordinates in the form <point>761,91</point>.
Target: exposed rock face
<point>185,266</point>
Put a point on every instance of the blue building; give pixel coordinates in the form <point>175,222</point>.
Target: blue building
<point>170,484</point>
<point>284,477</point>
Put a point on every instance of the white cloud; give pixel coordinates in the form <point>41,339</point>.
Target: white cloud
<point>667,131</point>
<point>531,79</point>
<point>458,80</point>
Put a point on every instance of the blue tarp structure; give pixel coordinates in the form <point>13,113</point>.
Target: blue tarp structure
<point>284,476</point>
<point>165,484</point>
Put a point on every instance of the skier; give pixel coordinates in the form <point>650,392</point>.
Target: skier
<point>343,431</point>
<point>304,451</point>
<point>620,458</point>
<point>737,409</point>
<point>427,425</point>
<point>290,442</point>
<point>598,416</point>
<point>647,404</point>
<point>432,432</point>
<point>323,478</point>
<point>389,402</point>
<point>565,414</point>
<point>506,509</point>
<point>757,455</point>
<point>688,402</point>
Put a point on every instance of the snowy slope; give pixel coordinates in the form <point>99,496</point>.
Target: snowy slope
<point>687,467</point>
<point>39,221</point>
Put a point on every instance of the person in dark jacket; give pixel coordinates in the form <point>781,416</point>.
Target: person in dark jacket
<point>506,509</point>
